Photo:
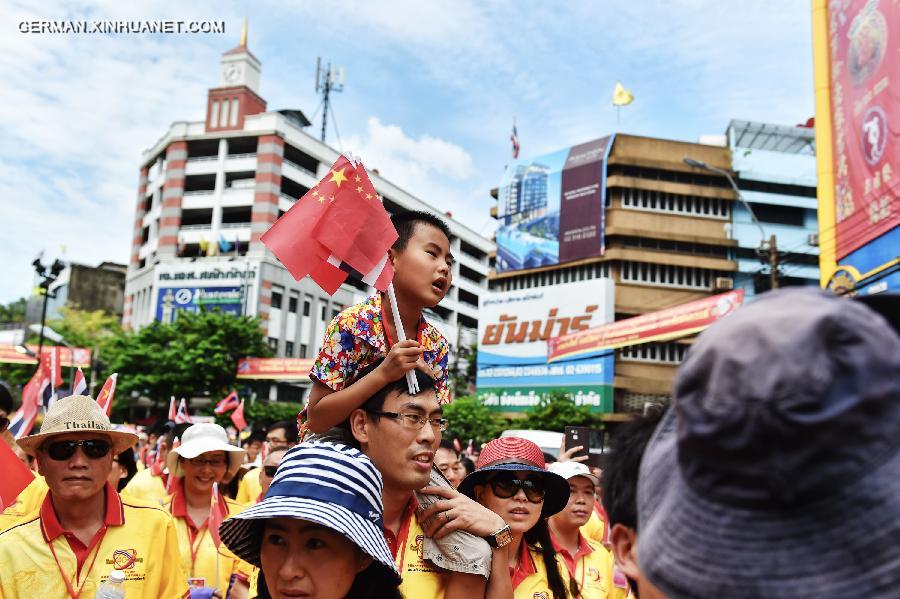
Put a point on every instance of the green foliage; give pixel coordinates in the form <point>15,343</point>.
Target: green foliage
<point>86,328</point>
<point>471,419</point>
<point>13,311</point>
<point>261,413</point>
<point>15,376</point>
<point>196,355</point>
<point>554,412</point>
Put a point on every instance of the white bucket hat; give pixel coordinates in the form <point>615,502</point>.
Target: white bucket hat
<point>77,414</point>
<point>203,438</point>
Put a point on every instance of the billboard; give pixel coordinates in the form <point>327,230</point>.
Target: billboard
<point>68,356</point>
<point>551,209</point>
<point>296,369</point>
<point>663,325</point>
<point>172,299</point>
<point>513,330</point>
<point>863,44</point>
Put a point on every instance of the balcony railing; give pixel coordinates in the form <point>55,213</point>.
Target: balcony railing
<point>298,167</point>
<point>246,155</point>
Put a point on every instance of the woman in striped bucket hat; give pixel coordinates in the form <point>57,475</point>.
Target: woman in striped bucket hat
<point>319,531</point>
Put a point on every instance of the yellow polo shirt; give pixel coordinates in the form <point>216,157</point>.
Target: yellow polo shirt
<point>420,577</point>
<point>530,577</point>
<point>28,501</point>
<point>249,488</point>
<point>144,485</point>
<point>595,528</point>
<point>199,555</point>
<point>139,539</point>
<point>591,567</point>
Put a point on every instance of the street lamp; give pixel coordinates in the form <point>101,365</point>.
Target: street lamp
<point>773,246</point>
<point>45,331</point>
<point>47,278</point>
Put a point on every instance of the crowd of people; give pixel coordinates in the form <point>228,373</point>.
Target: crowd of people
<point>775,472</point>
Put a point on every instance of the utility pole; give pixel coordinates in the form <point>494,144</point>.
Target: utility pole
<point>773,262</point>
<point>327,81</point>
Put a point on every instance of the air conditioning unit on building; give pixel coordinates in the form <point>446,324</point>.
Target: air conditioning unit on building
<point>813,240</point>
<point>723,284</point>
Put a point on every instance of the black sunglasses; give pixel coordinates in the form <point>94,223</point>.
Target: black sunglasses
<point>270,470</point>
<point>507,485</point>
<point>92,448</point>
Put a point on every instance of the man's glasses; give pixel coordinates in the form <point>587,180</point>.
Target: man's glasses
<point>414,421</point>
<point>270,470</point>
<point>507,485</point>
<point>212,463</point>
<point>92,448</point>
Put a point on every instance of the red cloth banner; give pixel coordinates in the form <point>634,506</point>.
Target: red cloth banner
<point>76,356</point>
<point>274,368</point>
<point>670,323</point>
<point>864,43</point>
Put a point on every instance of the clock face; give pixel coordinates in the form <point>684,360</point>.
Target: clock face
<point>231,73</point>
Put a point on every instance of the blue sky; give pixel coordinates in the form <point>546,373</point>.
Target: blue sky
<point>431,91</point>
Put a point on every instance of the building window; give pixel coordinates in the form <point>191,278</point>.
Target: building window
<point>292,305</point>
<point>234,112</point>
<point>667,353</point>
<point>306,307</point>
<point>334,313</point>
<point>322,312</point>
<point>276,300</point>
<point>214,113</point>
<point>223,118</point>
<point>273,344</point>
<point>289,349</point>
<point>303,350</point>
<point>657,201</point>
<point>666,275</point>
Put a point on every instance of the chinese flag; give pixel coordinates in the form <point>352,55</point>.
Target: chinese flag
<point>237,417</point>
<point>107,393</point>
<point>16,476</point>
<point>357,230</point>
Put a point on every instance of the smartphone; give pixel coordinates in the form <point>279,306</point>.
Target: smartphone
<point>579,435</point>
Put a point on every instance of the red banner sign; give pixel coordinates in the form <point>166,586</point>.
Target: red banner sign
<point>283,369</point>
<point>864,41</point>
<point>75,356</point>
<point>663,325</point>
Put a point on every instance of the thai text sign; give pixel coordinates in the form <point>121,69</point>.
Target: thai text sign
<point>285,369</point>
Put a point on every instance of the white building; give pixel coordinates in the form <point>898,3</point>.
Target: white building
<point>209,189</point>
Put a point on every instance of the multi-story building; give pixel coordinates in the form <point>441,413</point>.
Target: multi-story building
<point>775,169</point>
<point>84,287</point>
<point>209,190</point>
<point>667,242</point>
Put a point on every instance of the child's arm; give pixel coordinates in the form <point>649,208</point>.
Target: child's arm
<point>328,408</point>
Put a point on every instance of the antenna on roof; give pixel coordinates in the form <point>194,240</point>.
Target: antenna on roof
<point>327,81</point>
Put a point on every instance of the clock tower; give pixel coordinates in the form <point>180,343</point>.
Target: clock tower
<point>237,95</point>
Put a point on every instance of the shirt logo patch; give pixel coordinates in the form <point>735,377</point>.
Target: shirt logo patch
<point>594,574</point>
<point>124,559</point>
<point>540,595</point>
<point>420,546</point>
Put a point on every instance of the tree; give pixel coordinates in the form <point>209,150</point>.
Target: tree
<point>471,419</point>
<point>555,411</point>
<point>261,413</point>
<point>85,328</point>
<point>13,311</point>
<point>195,355</point>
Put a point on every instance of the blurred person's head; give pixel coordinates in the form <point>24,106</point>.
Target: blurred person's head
<point>282,435</point>
<point>253,444</point>
<point>446,458</point>
<point>123,469</point>
<point>269,467</point>
<point>467,466</point>
<point>203,458</point>
<point>779,457</point>
<point>582,488</point>
<point>6,401</point>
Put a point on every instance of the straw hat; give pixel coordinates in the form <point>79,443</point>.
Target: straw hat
<point>76,414</point>
<point>326,483</point>
<point>202,438</point>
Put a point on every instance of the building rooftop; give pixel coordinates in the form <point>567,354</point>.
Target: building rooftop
<point>775,138</point>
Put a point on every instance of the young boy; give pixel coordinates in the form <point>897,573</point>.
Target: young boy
<point>362,334</point>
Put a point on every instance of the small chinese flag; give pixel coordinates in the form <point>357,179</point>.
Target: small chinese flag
<point>237,417</point>
<point>16,476</point>
<point>107,393</point>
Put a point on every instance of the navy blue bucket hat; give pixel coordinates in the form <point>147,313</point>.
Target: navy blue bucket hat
<point>777,471</point>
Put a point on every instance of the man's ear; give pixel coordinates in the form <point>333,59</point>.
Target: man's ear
<point>358,425</point>
<point>37,461</point>
<point>392,255</point>
<point>624,546</point>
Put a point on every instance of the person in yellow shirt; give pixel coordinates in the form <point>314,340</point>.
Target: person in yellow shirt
<point>589,564</point>
<point>203,460</point>
<point>151,484</point>
<point>83,530</point>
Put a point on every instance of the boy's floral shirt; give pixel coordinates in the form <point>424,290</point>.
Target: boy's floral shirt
<point>355,338</point>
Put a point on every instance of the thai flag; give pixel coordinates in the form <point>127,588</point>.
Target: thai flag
<point>182,415</point>
<point>79,386</point>
<point>22,421</point>
<point>230,402</point>
<point>514,138</point>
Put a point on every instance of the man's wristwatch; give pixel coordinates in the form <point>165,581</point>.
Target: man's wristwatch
<point>501,538</point>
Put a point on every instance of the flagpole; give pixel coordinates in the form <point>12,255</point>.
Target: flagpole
<point>411,381</point>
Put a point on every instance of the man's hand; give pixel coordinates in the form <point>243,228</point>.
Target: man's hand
<point>457,512</point>
<point>403,357</point>
<point>566,456</point>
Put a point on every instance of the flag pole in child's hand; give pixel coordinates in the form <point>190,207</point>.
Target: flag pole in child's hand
<point>411,381</point>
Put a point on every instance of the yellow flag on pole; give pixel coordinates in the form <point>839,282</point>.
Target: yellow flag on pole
<point>621,96</point>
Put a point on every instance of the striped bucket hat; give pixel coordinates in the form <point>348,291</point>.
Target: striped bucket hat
<point>327,483</point>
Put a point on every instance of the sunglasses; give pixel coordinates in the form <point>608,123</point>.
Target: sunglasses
<point>92,448</point>
<point>508,485</point>
<point>270,470</point>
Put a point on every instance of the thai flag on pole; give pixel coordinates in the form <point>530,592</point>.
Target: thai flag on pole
<point>52,379</point>
<point>79,385</point>
<point>182,415</point>
<point>230,402</point>
<point>107,393</point>
<point>22,421</point>
<point>173,411</point>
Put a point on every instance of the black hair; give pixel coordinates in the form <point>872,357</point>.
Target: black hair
<point>176,433</point>
<point>468,464</point>
<point>258,435</point>
<point>375,403</point>
<point>538,538</point>
<point>6,400</point>
<point>405,222</point>
<point>290,430</point>
<point>620,477</point>
<point>375,582</point>
<point>448,445</point>
<point>549,458</point>
<point>126,460</point>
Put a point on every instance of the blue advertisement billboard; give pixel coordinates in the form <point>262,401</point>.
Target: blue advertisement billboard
<point>551,209</point>
<point>513,328</point>
<point>172,299</point>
